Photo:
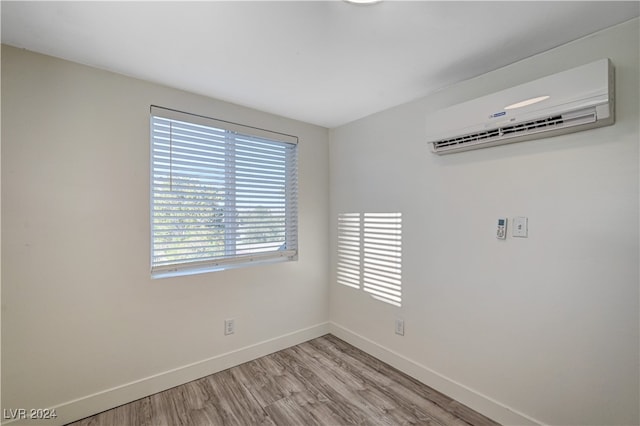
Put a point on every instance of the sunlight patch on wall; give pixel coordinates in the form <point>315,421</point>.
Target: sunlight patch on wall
<point>370,254</point>
<point>383,256</point>
<point>349,242</point>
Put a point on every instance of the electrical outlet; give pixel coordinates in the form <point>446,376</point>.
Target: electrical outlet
<point>400,326</point>
<point>229,327</point>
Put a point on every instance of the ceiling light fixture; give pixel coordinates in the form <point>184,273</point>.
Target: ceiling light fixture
<point>364,2</point>
<point>527,102</point>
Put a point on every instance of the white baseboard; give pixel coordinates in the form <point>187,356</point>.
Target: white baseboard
<point>88,405</point>
<point>461,393</point>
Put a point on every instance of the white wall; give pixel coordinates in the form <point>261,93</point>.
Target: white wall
<point>543,329</point>
<point>81,318</point>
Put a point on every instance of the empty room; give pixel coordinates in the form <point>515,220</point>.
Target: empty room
<point>320,213</point>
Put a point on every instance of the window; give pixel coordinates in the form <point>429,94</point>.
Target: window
<point>370,254</point>
<point>222,194</point>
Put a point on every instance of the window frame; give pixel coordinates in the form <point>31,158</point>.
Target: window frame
<point>235,135</point>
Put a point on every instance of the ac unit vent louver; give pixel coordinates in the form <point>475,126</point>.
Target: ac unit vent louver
<point>574,100</point>
<point>521,130</point>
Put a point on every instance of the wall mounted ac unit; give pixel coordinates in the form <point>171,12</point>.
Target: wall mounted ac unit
<point>577,99</point>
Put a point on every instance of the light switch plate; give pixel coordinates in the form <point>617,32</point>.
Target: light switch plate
<point>520,227</point>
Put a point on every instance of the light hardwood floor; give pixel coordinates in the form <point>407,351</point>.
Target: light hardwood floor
<point>324,381</point>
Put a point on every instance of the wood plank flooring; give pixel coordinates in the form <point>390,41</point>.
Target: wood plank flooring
<point>324,381</point>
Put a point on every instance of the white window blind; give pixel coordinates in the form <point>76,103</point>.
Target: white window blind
<point>222,194</point>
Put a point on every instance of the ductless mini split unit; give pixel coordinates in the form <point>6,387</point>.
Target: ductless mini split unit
<point>570,101</point>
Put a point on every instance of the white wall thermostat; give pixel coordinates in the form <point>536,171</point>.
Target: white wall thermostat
<point>501,233</point>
